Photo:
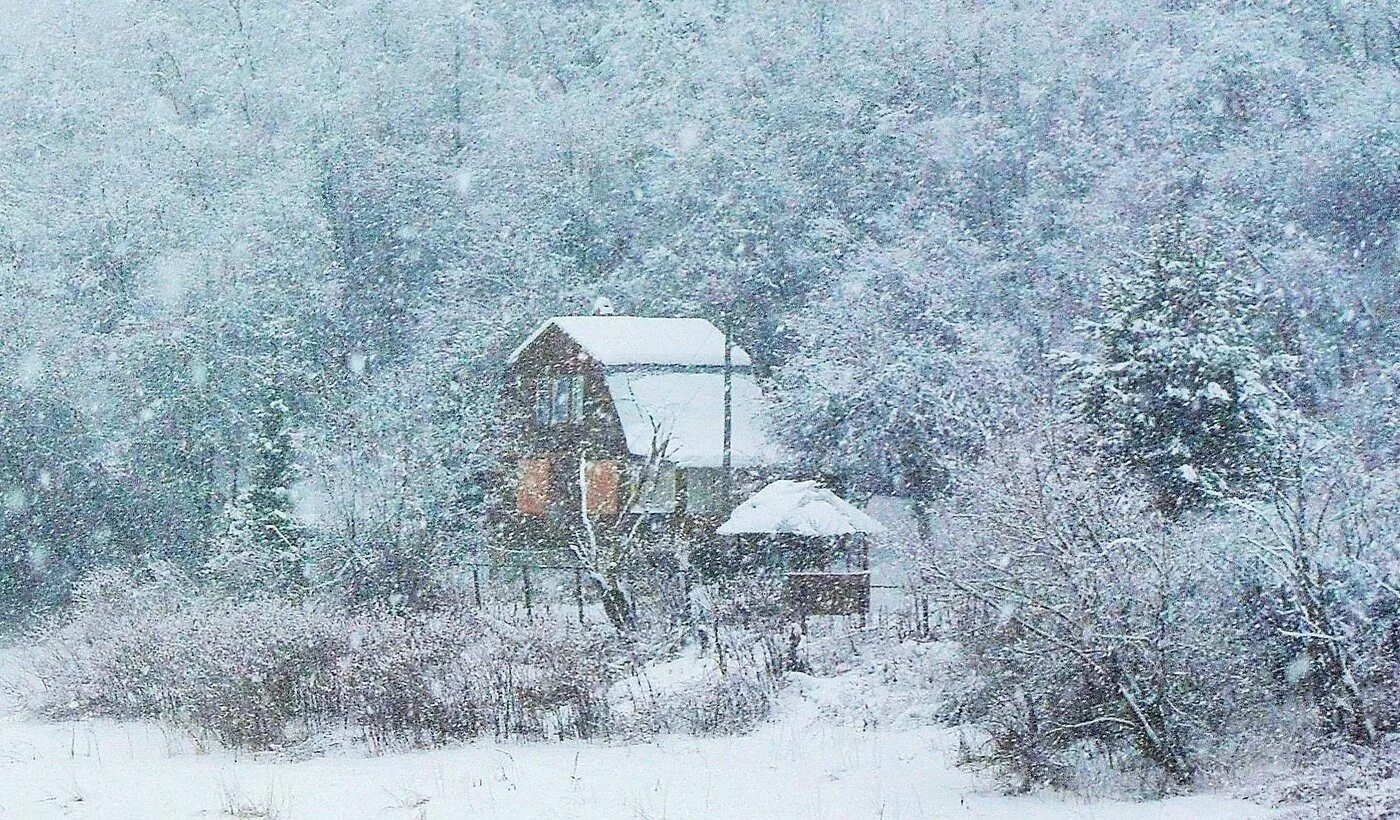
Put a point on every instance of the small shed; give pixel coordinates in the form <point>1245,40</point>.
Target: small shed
<point>799,508</point>
<point>815,537</point>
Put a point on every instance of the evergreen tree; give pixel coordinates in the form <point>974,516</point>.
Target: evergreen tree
<point>1174,384</point>
<point>263,546</point>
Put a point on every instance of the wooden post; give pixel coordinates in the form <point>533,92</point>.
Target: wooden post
<point>719,645</point>
<point>578,591</point>
<point>525,582</point>
<point>476,585</point>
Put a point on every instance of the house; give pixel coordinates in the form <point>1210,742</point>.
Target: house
<point>626,415</point>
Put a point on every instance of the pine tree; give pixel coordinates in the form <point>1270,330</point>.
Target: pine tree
<point>263,546</point>
<point>1175,384</point>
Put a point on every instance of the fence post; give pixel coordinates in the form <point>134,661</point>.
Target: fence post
<point>525,581</point>
<point>578,591</point>
<point>719,645</point>
<point>476,585</point>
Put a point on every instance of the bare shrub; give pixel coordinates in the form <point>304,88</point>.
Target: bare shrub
<point>1342,780</point>
<point>733,702</point>
<point>1099,634</point>
<point>1327,538</point>
<point>236,803</point>
<point>266,673</point>
<point>704,690</point>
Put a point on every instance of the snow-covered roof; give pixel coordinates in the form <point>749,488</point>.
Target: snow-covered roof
<point>685,409</point>
<point>798,508</point>
<point>639,340</point>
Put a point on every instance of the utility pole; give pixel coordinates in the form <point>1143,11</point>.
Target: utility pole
<point>728,456</point>
<point>731,310</point>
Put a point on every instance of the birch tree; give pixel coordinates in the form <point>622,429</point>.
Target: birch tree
<point>607,543</point>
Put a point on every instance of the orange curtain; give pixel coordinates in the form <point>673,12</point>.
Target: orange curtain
<point>532,494</point>
<point>603,480</point>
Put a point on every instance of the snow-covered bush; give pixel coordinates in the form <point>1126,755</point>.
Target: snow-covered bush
<point>1342,780</point>
<point>1094,628</point>
<point>1327,541</point>
<point>704,690</point>
<point>266,673</point>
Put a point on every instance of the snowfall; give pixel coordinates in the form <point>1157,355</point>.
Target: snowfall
<point>835,747</point>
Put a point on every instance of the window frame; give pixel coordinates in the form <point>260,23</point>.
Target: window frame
<point>544,408</point>
<point>577,399</point>
<point>560,400</point>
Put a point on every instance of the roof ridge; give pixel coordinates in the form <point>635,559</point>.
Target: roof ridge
<point>642,340</point>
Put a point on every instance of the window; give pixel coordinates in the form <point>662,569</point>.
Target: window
<point>562,402</point>
<point>542,403</point>
<point>559,400</point>
<point>703,492</point>
<point>533,493</point>
<point>576,398</point>
<point>602,480</point>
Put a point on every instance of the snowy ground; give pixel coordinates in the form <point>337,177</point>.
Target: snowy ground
<point>798,765</point>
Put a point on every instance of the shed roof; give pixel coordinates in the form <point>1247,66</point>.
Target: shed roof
<point>798,508</point>
<point>685,410</point>
<point>639,340</point>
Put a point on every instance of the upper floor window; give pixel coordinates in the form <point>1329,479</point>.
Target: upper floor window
<point>559,400</point>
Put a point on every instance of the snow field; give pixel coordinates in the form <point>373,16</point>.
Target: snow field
<point>812,760</point>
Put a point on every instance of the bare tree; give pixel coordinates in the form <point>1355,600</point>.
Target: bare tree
<point>1088,619</point>
<point>1325,536</point>
<point>606,545</point>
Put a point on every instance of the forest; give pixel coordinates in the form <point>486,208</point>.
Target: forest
<point>1106,294</point>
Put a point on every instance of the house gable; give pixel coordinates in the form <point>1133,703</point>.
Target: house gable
<point>552,356</point>
<point>648,389</point>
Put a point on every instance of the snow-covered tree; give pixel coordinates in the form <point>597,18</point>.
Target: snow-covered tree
<point>1094,625</point>
<point>1174,384</point>
<point>905,371</point>
<point>1327,537</point>
<point>262,546</point>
